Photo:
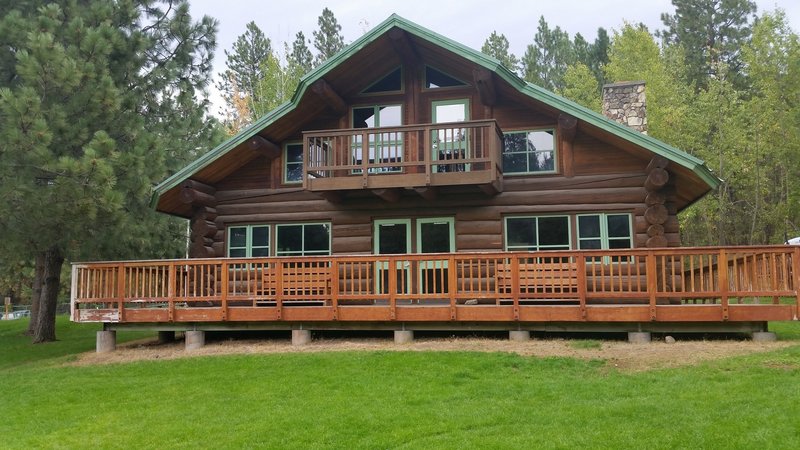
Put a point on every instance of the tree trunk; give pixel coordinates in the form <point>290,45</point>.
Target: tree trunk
<point>45,330</point>
<point>36,294</point>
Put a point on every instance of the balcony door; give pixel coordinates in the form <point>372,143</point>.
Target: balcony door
<point>383,149</point>
<point>392,237</point>
<point>450,143</point>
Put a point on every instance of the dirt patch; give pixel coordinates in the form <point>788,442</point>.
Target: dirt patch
<point>620,355</point>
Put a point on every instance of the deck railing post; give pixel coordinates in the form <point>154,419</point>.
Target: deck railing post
<point>279,289</point>
<point>335,288</point>
<point>426,153</point>
<point>652,282</point>
<point>452,286</point>
<point>365,159</point>
<point>515,284</point>
<point>392,271</point>
<point>722,273</point>
<point>121,290</point>
<point>224,294</point>
<point>580,263</point>
<point>73,294</point>
<point>173,282</point>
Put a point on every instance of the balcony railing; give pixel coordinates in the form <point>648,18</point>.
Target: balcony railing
<point>460,153</point>
<point>637,285</point>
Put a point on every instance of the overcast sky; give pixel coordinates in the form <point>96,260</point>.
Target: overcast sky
<point>469,22</point>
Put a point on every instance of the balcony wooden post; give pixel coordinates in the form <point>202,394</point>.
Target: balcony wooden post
<point>452,285</point>
<point>426,154</point>
<point>121,290</point>
<point>722,273</point>
<point>173,282</point>
<point>335,288</point>
<point>515,284</point>
<point>652,282</point>
<point>224,294</point>
<point>580,263</point>
<point>365,159</point>
<point>391,270</point>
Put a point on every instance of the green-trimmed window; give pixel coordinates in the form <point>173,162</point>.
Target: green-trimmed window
<point>384,148</point>
<point>604,231</point>
<point>391,82</point>
<point>435,79</point>
<point>303,239</point>
<point>293,163</point>
<point>537,233</point>
<point>532,151</point>
<point>248,241</point>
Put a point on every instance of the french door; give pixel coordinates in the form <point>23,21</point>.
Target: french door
<point>450,143</point>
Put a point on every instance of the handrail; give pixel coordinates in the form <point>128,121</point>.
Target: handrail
<point>765,276</point>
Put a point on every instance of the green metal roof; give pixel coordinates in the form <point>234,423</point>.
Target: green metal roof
<point>682,158</point>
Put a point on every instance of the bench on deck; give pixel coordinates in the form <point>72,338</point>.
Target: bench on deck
<point>540,282</point>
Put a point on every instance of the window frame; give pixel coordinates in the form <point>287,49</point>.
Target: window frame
<point>248,248</point>
<point>303,252</point>
<point>363,92</point>
<point>538,246</point>
<point>555,151</point>
<point>440,88</point>
<point>378,142</point>
<point>604,238</point>
<point>286,162</point>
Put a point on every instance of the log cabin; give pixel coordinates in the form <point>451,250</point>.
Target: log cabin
<point>413,183</point>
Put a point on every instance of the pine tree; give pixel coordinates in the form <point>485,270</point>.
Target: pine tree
<point>300,60</point>
<point>581,86</point>
<point>99,103</point>
<point>328,39</point>
<point>497,46</point>
<point>712,32</point>
<point>546,60</point>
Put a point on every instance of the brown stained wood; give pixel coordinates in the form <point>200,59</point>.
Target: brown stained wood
<point>657,241</point>
<point>428,193</point>
<point>388,195</point>
<point>492,189</point>
<point>198,186</point>
<point>657,162</point>
<point>656,179</point>
<point>203,228</point>
<point>204,213</point>
<point>197,198</point>
<point>402,46</point>
<point>655,198</point>
<point>656,214</point>
<point>655,230</point>
<point>328,95</point>
<point>567,127</point>
<point>332,196</point>
<point>264,147</point>
<point>484,82</point>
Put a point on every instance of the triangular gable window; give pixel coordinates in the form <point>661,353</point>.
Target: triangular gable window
<point>437,79</point>
<point>392,82</point>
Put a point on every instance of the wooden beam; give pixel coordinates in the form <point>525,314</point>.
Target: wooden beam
<point>332,196</point>
<point>493,188</point>
<point>390,195</point>
<point>567,128</point>
<point>484,82</point>
<point>656,179</point>
<point>428,193</point>
<point>658,162</point>
<point>197,198</point>
<point>327,94</point>
<point>403,46</point>
<point>263,146</point>
<point>204,228</point>
<point>198,186</point>
<point>204,213</point>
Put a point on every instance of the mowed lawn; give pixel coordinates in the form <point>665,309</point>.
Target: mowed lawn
<point>390,400</point>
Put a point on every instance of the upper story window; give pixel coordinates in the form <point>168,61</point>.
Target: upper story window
<point>384,148</point>
<point>532,151</point>
<point>293,163</point>
<point>435,79</point>
<point>392,82</point>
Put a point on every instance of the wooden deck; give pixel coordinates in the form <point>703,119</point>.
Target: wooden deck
<point>732,284</point>
<point>411,156</point>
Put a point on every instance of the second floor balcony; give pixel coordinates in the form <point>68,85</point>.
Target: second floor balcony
<point>419,157</point>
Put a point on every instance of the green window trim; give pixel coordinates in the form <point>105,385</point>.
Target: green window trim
<point>386,222</point>
<point>286,243</point>
<point>292,167</point>
<point>449,221</point>
<point>375,89</point>
<point>446,81</point>
<point>530,159</point>
<point>248,241</point>
<point>384,148</point>
<point>611,231</point>
<point>536,229</point>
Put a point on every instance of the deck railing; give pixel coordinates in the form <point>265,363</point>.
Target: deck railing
<point>680,284</point>
<point>404,156</point>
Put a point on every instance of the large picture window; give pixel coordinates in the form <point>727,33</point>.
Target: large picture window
<point>303,239</point>
<point>526,152</point>
<point>248,241</point>
<point>537,233</point>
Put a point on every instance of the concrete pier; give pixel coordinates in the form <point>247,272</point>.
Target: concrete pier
<point>764,336</point>
<point>519,335</point>
<point>301,337</point>
<point>194,339</point>
<point>639,337</point>
<point>106,341</point>
<point>403,336</point>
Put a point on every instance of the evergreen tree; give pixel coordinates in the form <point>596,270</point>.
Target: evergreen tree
<point>547,59</point>
<point>712,32</point>
<point>581,86</point>
<point>99,103</point>
<point>245,65</point>
<point>497,47</point>
<point>300,60</point>
<point>328,39</point>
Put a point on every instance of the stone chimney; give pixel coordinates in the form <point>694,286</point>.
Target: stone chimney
<point>625,103</point>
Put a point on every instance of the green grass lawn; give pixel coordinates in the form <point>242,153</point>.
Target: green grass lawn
<point>395,400</point>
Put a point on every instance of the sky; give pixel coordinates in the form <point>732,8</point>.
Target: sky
<point>469,22</point>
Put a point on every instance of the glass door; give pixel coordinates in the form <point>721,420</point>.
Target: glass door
<point>450,143</point>
<point>435,235</point>
<point>392,237</point>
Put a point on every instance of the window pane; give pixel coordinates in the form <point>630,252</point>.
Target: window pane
<point>237,252</point>
<point>515,142</point>
<point>290,238</point>
<point>364,117</point>
<point>521,232</point>
<point>590,244</point>
<point>541,162</point>
<point>589,226</point>
<point>317,238</point>
<point>391,116</point>
<point>392,238</point>
<point>435,237</point>
<point>260,251</point>
<point>294,153</point>
<point>294,172</point>
<point>260,236</point>
<point>515,162</point>
<point>436,79</point>
<point>619,243</point>
<point>541,140</point>
<point>618,226</point>
<point>238,237</point>
<point>390,83</point>
<point>553,231</point>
